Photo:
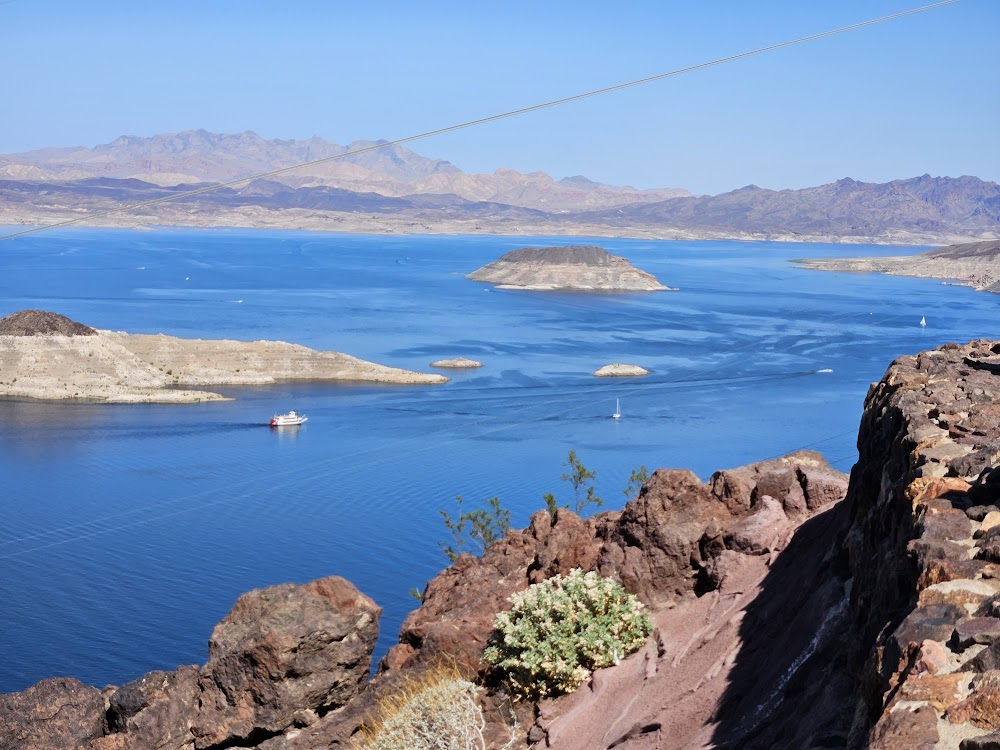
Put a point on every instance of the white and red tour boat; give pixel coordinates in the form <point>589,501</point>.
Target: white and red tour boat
<point>292,419</point>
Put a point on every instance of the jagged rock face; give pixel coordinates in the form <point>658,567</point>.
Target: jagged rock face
<point>282,650</point>
<point>658,547</point>
<point>42,323</point>
<point>920,545</point>
<point>283,657</point>
<point>661,538</point>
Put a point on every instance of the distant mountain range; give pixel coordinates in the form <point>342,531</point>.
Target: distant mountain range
<point>394,189</point>
<point>197,156</point>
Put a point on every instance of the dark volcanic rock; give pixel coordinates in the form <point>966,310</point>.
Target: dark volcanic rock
<point>41,323</point>
<point>281,658</point>
<point>665,544</point>
<point>654,549</point>
<point>282,650</point>
<point>983,630</point>
<point>985,742</point>
<point>56,714</point>
<point>913,516</point>
<point>157,710</point>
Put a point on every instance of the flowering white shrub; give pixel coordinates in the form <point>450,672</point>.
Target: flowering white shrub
<point>559,630</point>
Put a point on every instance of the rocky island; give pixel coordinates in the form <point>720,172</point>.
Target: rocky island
<point>45,355</point>
<point>571,268</point>
<point>975,264</point>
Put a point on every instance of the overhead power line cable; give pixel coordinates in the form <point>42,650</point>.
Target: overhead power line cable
<point>483,120</point>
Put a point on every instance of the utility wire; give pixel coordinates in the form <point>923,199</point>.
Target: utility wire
<point>483,120</point>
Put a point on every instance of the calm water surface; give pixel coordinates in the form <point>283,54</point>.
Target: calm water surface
<point>127,532</point>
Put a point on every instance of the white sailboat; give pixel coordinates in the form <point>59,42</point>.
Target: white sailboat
<point>618,411</point>
<point>923,320</point>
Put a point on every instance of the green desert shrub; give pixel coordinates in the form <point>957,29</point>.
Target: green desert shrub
<point>435,710</point>
<point>558,631</point>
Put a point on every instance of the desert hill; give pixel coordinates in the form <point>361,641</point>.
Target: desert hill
<point>939,205</point>
<point>197,156</point>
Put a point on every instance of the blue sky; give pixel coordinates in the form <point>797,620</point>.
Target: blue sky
<point>912,96</point>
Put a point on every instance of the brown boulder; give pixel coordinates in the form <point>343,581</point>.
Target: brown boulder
<point>904,729</point>
<point>941,691</point>
<point>801,482</point>
<point>56,714</point>
<point>761,531</point>
<point>283,650</point>
<point>982,708</point>
<point>654,549</point>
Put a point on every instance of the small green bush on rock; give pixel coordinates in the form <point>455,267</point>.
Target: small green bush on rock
<point>558,631</point>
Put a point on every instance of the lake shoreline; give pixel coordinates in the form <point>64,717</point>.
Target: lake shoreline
<point>353,223</point>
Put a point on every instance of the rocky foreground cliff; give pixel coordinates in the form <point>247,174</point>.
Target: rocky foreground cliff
<point>787,615</point>
<point>44,355</point>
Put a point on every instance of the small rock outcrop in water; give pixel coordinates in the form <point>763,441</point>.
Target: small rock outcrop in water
<point>578,268</point>
<point>458,363</point>
<point>283,657</point>
<point>620,371</point>
<point>42,323</point>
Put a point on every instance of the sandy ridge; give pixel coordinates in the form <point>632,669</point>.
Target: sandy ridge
<point>117,367</point>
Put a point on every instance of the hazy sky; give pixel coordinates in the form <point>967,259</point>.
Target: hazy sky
<point>912,96</point>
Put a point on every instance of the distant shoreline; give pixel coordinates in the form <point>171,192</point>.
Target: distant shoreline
<point>353,223</point>
<point>975,265</point>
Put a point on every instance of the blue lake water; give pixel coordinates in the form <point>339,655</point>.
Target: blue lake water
<point>127,532</point>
